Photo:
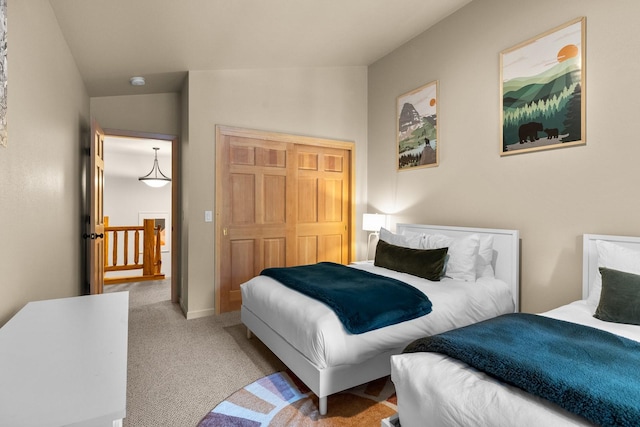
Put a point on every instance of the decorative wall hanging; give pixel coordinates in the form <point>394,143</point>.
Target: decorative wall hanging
<point>417,133</point>
<point>542,91</point>
<point>3,73</point>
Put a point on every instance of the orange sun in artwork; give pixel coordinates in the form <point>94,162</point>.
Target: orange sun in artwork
<point>569,51</point>
<point>432,102</point>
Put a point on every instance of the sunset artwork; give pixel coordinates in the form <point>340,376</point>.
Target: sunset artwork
<point>417,130</point>
<point>3,73</point>
<point>542,91</point>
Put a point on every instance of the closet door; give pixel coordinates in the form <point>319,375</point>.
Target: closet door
<point>322,205</point>
<point>280,201</point>
<point>253,213</point>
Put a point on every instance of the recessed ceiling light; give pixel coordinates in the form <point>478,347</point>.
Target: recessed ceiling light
<point>137,81</point>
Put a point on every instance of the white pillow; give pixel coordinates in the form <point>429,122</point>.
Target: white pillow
<point>461,256</point>
<point>484,262</point>
<point>615,257</point>
<point>407,239</point>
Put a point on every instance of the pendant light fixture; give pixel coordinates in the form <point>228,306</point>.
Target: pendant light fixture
<point>155,178</point>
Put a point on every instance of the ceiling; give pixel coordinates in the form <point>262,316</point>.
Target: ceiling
<point>114,40</point>
<point>133,157</point>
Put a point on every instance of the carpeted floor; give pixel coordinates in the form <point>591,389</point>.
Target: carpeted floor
<point>179,369</point>
<point>280,399</point>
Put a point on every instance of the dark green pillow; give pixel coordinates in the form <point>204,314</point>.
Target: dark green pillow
<point>425,263</point>
<point>619,298</point>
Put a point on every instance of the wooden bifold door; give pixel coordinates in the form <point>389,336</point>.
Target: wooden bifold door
<point>281,200</point>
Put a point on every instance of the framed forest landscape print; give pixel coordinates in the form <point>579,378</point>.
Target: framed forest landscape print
<point>3,73</point>
<point>542,84</point>
<point>417,127</point>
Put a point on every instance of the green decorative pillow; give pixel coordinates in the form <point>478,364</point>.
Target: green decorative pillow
<point>620,297</point>
<point>425,263</point>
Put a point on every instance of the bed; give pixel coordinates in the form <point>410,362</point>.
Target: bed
<point>448,392</point>
<point>309,338</point>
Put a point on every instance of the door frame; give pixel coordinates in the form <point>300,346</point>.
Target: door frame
<point>222,130</point>
<point>175,199</point>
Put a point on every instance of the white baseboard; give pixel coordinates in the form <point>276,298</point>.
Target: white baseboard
<point>200,313</point>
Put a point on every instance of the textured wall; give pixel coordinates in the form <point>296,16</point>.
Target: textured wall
<point>40,169</point>
<point>552,196</point>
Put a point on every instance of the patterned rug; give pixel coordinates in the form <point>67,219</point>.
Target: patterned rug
<point>281,399</point>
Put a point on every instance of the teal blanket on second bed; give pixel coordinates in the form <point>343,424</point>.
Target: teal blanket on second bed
<point>362,300</point>
<point>587,371</point>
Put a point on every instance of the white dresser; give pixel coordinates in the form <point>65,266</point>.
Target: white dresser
<point>63,362</point>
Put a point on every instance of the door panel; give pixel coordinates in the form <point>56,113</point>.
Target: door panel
<point>280,202</point>
<point>332,200</point>
<point>307,250</point>
<point>275,198</point>
<point>327,215</point>
<point>95,233</point>
<point>243,206</point>
<point>307,200</point>
<point>274,252</point>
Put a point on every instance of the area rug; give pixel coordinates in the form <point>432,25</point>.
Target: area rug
<point>281,399</point>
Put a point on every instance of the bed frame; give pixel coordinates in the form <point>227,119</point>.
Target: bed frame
<point>589,274</point>
<point>590,255</point>
<point>326,381</point>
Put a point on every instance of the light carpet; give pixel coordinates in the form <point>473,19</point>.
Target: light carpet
<point>281,399</point>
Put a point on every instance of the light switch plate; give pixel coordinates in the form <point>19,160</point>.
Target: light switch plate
<point>208,216</point>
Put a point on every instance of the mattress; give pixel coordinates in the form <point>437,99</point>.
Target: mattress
<point>315,331</point>
<point>449,393</point>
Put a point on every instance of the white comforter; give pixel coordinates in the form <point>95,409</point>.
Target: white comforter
<point>315,330</point>
<point>435,390</point>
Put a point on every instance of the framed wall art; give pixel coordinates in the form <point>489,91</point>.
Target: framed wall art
<point>417,127</point>
<point>3,73</point>
<point>542,83</point>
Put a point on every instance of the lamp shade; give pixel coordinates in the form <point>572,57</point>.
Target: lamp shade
<point>373,222</point>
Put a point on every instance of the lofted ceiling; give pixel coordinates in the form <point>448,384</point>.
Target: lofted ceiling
<point>113,40</point>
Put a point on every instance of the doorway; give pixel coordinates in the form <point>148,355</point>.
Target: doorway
<point>128,201</point>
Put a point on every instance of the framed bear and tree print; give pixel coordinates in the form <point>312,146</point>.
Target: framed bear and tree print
<point>542,84</point>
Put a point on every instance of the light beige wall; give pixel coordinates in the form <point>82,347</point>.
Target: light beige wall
<point>154,113</point>
<point>40,169</point>
<point>327,102</point>
<point>553,196</point>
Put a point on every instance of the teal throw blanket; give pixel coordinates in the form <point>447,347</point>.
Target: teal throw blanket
<point>362,300</point>
<point>587,371</point>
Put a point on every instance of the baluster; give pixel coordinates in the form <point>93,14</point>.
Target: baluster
<point>158,257</point>
<point>147,263</point>
<point>136,255</point>
<point>126,247</point>
<point>106,241</point>
<point>115,248</point>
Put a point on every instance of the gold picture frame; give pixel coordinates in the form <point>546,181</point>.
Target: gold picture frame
<point>542,91</point>
<point>417,139</point>
<point>3,73</point>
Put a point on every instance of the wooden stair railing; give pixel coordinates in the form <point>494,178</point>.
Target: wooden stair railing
<point>151,256</point>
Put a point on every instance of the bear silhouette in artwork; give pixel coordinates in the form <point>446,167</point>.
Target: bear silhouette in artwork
<point>529,131</point>
<point>551,133</point>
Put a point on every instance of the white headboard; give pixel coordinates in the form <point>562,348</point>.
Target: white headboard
<point>590,255</point>
<point>506,250</point>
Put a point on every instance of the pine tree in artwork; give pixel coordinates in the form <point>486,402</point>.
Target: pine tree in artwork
<point>573,121</point>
